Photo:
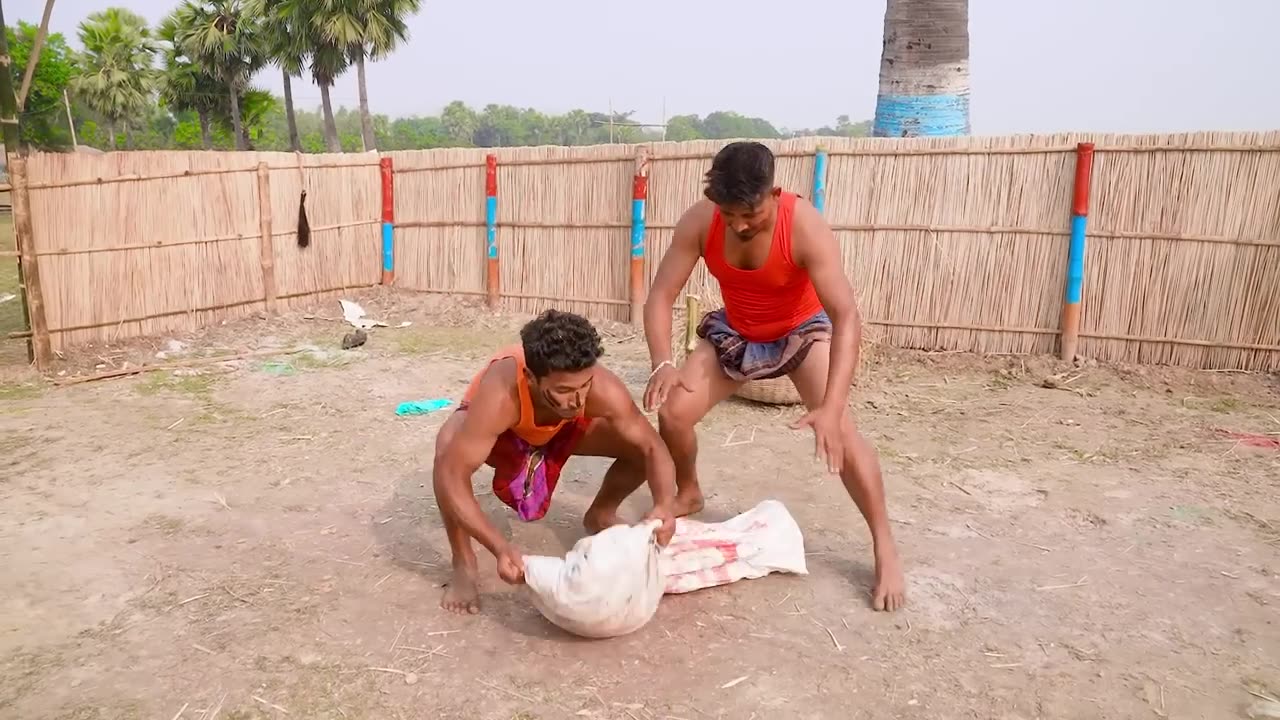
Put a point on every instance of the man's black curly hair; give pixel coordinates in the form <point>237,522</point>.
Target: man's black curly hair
<point>740,174</point>
<point>559,342</point>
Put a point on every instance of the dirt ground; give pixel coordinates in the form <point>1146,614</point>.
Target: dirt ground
<point>260,541</point>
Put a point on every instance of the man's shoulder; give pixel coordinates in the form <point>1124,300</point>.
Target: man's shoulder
<point>608,393</point>
<point>807,224</point>
<point>695,222</point>
<point>805,216</point>
<point>498,383</point>
<point>699,215</point>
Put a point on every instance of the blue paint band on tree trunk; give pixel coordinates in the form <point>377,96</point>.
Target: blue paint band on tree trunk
<point>637,228</point>
<point>1075,260</point>
<point>921,116</point>
<point>491,226</point>
<point>388,246</point>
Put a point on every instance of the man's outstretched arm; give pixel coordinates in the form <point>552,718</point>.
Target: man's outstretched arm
<point>612,401</point>
<point>820,256</point>
<point>673,272</point>
<point>487,417</point>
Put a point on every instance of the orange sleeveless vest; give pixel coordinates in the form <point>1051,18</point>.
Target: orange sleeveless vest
<point>526,428</point>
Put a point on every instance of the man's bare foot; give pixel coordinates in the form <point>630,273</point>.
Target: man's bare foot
<point>596,520</point>
<point>462,596</point>
<point>891,587</point>
<point>688,501</point>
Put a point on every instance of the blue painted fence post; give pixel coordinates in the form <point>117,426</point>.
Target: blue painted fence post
<point>491,228</point>
<point>388,221</point>
<point>639,194</point>
<point>820,179</point>
<point>1075,252</point>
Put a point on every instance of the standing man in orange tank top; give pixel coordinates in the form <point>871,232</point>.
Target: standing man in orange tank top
<point>780,271</point>
<point>527,411</point>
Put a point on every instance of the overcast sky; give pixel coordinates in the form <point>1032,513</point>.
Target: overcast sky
<point>1038,65</point>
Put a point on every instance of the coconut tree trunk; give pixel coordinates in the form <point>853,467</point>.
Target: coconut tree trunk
<point>331,141</point>
<point>295,143</point>
<point>924,70</point>
<point>237,130</point>
<point>206,137</point>
<point>111,128</point>
<point>366,120</point>
<point>128,135</point>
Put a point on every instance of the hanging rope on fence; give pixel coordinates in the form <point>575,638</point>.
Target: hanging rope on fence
<point>304,226</point>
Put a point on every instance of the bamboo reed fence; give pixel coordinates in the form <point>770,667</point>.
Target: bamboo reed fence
<point>952,243</point>
<point>141,243</point>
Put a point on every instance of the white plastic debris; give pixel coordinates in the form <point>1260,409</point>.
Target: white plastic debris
<point>358,318</point>
<point>355,316</point>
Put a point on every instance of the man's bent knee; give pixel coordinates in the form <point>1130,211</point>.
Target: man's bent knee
<point>677,416</point>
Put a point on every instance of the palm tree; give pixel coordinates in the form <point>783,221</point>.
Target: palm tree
<point>184,86</point>
<point>924,69</point>
<point>328,63</point>
<point>255,106</point>
<point>284,30</point>
<point>367,30</point>
<point>460,123</point>
<point>226,44</point>
<point>117,79</point>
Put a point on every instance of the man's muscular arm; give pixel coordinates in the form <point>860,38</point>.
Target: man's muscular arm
<point>490,413</point>
<point>610,400</point>
<point>673,272</point>
<point>817,251</point>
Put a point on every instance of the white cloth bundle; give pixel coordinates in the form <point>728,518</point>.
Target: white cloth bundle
<point>610,584</point>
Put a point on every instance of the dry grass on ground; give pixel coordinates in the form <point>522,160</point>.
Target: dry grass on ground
<point>261,538</point>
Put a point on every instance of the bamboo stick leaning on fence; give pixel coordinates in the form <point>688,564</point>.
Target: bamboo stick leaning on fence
<point>268,251</point>
<point>42,345</point>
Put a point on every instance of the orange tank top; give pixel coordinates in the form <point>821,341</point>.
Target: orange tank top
<point>765,304</point>
<point>526,427</point>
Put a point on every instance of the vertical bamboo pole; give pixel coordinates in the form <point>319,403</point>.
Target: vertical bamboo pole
<point>71,123</point>
<point>41,351</point>
<point>639,194</point>
<point>41,35</point>
<point>691,319</point>
<point>820,179</point>
<point>268,254</point>
<point>491,228</point>
<point>388,221</point>
<point>11,133</point>
<point>1075,253</point>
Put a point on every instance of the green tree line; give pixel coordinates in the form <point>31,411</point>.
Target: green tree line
<point>188,84</point>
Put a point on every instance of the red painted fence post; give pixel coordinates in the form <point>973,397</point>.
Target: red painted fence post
<point>388,221</point>
<point>1075,252</point>
<point>491,228</point>
<point>639,194</point>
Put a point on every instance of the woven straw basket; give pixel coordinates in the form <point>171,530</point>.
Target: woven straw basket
<point>777,391</point>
